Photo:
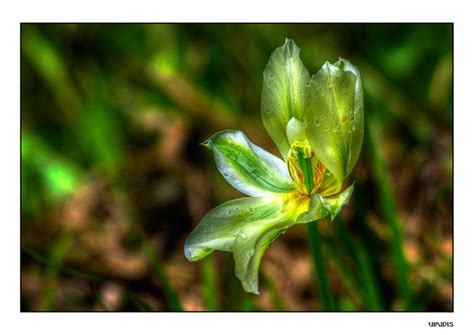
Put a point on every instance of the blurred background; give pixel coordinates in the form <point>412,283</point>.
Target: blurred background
<point>113,178</point>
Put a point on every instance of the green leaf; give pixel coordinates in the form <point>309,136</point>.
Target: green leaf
<point>247,167</point>
<point>244,226</point>
<point>285,80</point>
<point>334,116</point>
<point>320,207</point>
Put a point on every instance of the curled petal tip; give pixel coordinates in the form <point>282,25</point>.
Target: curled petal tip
<point>249,288</point>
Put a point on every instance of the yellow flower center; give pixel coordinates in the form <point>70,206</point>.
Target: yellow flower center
<point>305,169</point>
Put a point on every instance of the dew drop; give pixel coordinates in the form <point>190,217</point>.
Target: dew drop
<point>242,236</point>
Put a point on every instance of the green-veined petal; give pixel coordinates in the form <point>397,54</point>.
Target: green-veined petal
<point>334,116</point>
<point>330,185</point>
<point>320,207</point>
<point>285,80</point>
<point>249,247</point>
<point>245,226</point>
<point>246,166</point>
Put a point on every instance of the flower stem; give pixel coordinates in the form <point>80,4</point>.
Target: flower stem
<point>319,266</point>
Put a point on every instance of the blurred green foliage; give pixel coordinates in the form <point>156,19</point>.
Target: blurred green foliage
<point>113,179</point>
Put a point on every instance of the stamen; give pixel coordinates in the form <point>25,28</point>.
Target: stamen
<point>319,170</point>
<point>300,166</point>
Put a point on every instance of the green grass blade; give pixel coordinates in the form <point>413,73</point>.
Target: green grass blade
<point>372,291</point>
<point>365,272</point>
<point>173,300</point>
<point>347,274</point>
<point>56,257</point>
<point>236,299</point>
<point>209,284</point>
<point>142,304</point>
<point>389,211</point>
<point>247,304</point>
<point>276,298</point>
<point>46,59</point>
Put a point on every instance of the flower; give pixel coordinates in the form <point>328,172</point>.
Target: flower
<point>317,124</point>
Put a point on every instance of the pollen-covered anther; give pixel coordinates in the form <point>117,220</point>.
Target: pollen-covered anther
<point>308,153</point>
<point>304,168</point>
<point>296,174</point>
<point>319,170</point>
